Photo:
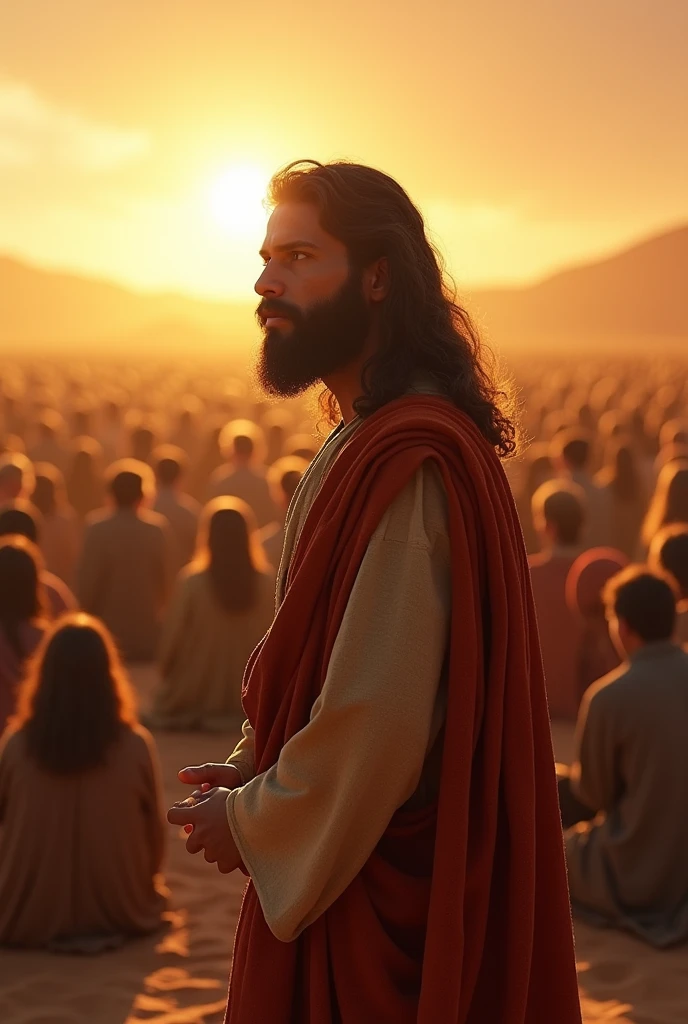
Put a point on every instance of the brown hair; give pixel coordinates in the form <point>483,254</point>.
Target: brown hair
<point>670,501</point>
<point>562,506</point>
<point>230,549</point>
<point>75,698</point>
<point>644,600</point>
<point>21,594</point>
<point>423,329</point>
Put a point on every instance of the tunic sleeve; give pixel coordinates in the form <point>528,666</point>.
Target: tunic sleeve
<point>243,755</point>
<point>593,773</point>
<point>306,827</point>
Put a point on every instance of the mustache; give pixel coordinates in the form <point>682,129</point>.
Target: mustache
<point>276,307</point>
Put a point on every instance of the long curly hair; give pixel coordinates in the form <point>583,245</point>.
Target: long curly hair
<point>76,697</point>
<point>423,331</point>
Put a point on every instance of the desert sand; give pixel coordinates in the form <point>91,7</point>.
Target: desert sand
<point>180,975</point>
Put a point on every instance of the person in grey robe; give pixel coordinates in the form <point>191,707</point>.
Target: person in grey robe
<point>179,509</point>
<point>572,454</point>
<point>628,851</point>
<point>242,474</point>
<point>128,559</point>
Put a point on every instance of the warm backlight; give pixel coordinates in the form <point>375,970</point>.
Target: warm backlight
<point>236,200</point>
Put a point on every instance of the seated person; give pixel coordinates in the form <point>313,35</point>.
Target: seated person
<point>23,519</point>
<point>127,563</point>
<point>628,853</point>
<point>242,474</point>
<point>669,553</point>
<point>81,834</point>
<point>222,606</point>
<point>283,476</point>
<point>585,584</point>
<point>558,514</point>
<point>17,479</point>
<point>23,615</point>
<point>179,509</point>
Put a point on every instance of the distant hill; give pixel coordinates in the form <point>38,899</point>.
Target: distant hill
<point>47,308</point>
<point>642,291</point>
<point>638,293</point>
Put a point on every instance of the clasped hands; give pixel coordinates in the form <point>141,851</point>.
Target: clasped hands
<point>204,814</point>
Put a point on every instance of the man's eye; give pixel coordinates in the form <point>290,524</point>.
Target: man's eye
<point>297,256</point>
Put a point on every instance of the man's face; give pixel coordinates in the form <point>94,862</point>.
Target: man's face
<point>313,312</point>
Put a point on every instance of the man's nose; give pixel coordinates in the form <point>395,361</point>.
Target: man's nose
<point>269,284</point>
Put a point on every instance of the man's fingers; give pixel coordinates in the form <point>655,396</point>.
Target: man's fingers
<point>209,857</point>
<point>197,774</point>
<point>193,843</point>
<point>181,814</point>
<point>198,793</point>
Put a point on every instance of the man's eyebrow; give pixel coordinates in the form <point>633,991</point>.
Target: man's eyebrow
<point>290,246</point>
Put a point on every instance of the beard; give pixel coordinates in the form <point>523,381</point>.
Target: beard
<point>324,339</point>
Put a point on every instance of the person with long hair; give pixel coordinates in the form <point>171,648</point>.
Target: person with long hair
<point>622,482</point>
<point>222,605</point>
<point>669,554</point>
<point>81,833</point>
<point>60,533</point>
<point>23,614</point>
<point>669,503</point>
<point>395,781</point>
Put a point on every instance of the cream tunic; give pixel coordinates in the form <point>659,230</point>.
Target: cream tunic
<point>306,827</point>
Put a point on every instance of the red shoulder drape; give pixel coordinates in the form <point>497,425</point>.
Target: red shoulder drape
<point>461,914</point>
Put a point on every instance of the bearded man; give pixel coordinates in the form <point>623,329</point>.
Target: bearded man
<point>393,798</point>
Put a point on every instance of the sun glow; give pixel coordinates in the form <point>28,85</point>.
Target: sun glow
<point>236,200</point>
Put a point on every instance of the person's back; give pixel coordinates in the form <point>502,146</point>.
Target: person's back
<point>179,509</point>
<point>221,608</point>
<point>626,497</point>
<point>669,553</point>
<point>588,576</point>
<point>573,453</point>
<point>23,615</point>
<point>629,865</point>
<point>558,514</point>
<point>81,838</point>
<point>283,477</point>
<point>243,477</point>
<point>60,532</point>
<point>125,569</point>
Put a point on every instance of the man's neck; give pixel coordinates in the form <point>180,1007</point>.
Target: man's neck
<point>346,384</point>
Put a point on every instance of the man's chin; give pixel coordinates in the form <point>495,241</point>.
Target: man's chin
<point>278,384</point>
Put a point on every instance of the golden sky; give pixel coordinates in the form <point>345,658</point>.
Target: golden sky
<point>134,133</point>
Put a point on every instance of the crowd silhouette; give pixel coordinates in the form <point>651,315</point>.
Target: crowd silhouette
<point>142,517</point>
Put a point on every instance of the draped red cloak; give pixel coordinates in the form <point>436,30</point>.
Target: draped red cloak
<point>461,914</point>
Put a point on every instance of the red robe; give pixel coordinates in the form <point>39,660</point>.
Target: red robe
<point>461,914</point>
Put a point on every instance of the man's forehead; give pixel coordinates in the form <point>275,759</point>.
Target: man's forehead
<point>290,221</point>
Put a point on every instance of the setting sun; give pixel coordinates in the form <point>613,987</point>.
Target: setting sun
<point>236,198</point>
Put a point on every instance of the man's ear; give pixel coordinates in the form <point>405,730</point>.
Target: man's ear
<point>377,280</point>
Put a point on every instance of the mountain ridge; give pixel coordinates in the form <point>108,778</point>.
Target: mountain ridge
<point>639,291</point>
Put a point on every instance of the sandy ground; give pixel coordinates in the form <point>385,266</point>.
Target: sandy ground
<point>180,976</point>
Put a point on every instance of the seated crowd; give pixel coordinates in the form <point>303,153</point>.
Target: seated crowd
<point>156,536</point>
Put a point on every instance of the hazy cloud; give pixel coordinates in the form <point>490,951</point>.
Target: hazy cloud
<point>34,131</point>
